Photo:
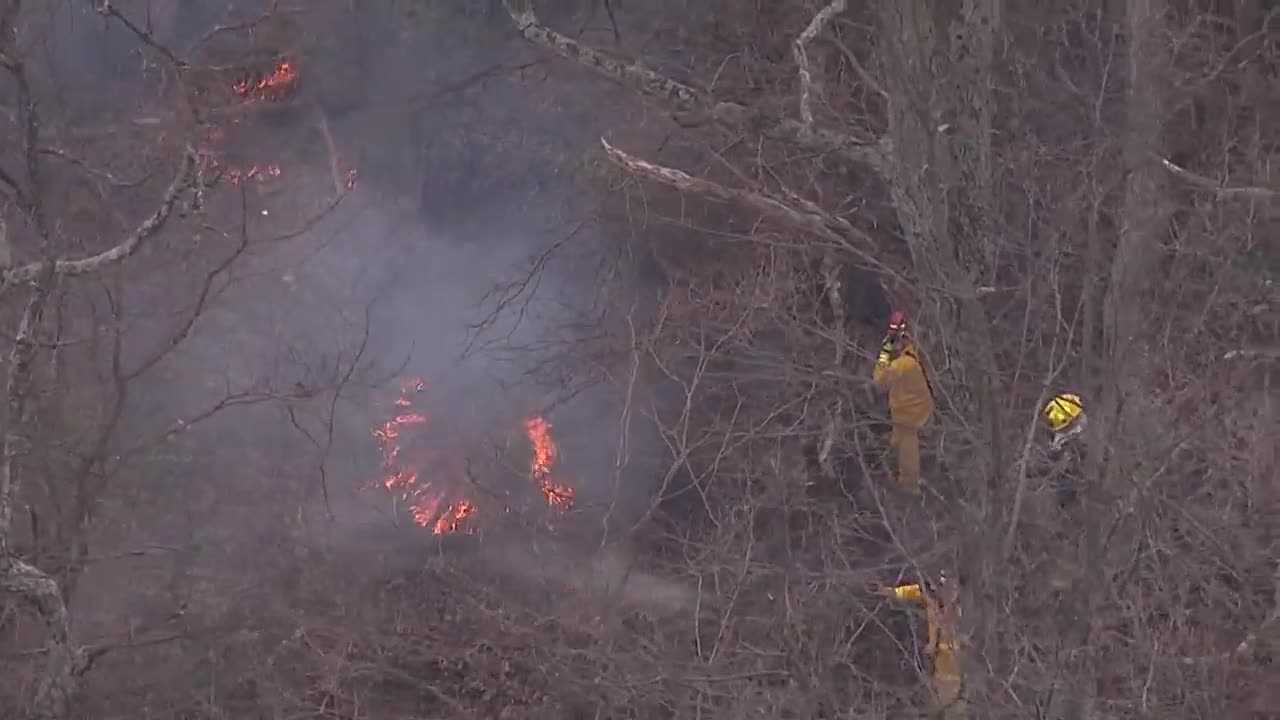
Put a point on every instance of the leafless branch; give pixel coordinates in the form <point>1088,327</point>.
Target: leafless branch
<point>858,68</point>
<point>202,300</point>
<point>334,163</point>
<point>685,99</point>
<point>251,24</point>
<point>518,294</point>
<point>107,9</point>
<point>1256,192</point>
<point>801,214</point>
<point>815,26</point>
<point>149,227</point>
<point>104,174</point>
<point>1271,353</point>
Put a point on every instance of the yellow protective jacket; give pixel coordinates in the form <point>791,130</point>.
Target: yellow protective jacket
<point>942,622</point>
<point>910,397</point>
<point>942,631</point>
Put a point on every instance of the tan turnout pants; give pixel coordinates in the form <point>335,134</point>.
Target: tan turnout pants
<point>905,441</point>
<point>947,685</point>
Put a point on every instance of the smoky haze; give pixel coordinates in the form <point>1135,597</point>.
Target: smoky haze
<point>466,174</point>
<point>241,506</point>
<point>350,375</point>
<point>462,175</point>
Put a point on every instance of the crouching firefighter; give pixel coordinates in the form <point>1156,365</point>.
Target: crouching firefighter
<point>1065,417</point>
<point>899,371</point>
<point>942,615</point>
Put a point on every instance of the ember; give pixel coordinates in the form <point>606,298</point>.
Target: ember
<point>275,85</point>
<point>430,481</point>
<point>261,173</point>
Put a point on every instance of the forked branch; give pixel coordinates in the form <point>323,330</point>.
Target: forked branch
<point>815,26</point>
<point>1255,191</point>
<point>685,99</point>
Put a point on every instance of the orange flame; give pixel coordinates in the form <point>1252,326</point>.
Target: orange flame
<point>453,517</point>
<point>545,454</point>
<point>430,504</point>
<point>272,86</point>
<point>424,500</point>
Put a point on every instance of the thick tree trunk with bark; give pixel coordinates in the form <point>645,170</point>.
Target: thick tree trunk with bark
<point>64,661</point>
<point>1126,352</point>
<point>38,590</point>
<point>938,76</point>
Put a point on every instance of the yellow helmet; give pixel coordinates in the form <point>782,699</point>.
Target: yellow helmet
<point>1063,410</point>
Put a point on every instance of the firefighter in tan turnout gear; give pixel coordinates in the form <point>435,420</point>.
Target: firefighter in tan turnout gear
<point>942,615</point>
<point>899,371</point>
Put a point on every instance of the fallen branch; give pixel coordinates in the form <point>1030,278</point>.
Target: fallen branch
<point>687,100</point>
<point>1256,191</point>
<point>815,26</point>
<point>1272,353</point>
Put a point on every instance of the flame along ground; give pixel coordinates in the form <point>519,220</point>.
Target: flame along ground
<point>275,85</point>
<point>545,453</point>
<point>427,487</point>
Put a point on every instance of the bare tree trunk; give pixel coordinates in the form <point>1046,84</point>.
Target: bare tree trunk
<point>941,111</point>
<point>62,659</point>
<point>1124,337</point>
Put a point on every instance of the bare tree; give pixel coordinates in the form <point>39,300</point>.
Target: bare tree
<point>1035,240</point>
<point>95,362</point>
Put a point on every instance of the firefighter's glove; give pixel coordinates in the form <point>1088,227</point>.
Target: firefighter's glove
<point>886,352</point>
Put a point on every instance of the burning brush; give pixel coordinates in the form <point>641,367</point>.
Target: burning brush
<point>538,430</point>
<point>277,84</point>
<point>430,480</point>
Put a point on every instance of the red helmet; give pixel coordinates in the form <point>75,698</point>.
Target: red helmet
<point>897,322</point>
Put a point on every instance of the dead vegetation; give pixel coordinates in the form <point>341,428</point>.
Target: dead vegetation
<point>1076,196</point>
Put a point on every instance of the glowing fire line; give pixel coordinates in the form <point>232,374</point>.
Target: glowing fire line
<point>272,86</point>
<point>545,454</point>
<point>427,503</point>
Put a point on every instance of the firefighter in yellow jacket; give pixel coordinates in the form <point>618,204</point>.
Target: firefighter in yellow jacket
<point>1065,416</point>
<point>942,615</point>
<point>899,371</point>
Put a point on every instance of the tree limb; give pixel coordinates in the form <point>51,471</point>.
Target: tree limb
<point>1256,191</point>
<point>128,246</point>
<point>685,99</point>
<point>1262,353</point>
<point>815,26</point>
<point>799,213</point>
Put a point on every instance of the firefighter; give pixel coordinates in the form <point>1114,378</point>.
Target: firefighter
<point>942,615</point>
<point>1064,415</point>
<point>898,371</point>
